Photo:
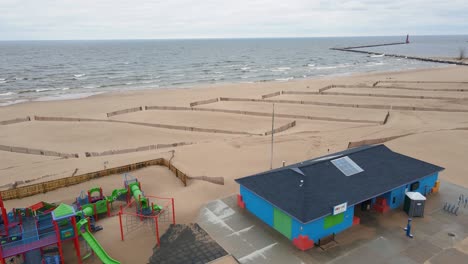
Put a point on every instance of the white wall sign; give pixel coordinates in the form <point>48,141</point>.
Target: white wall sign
<point>338,209</point>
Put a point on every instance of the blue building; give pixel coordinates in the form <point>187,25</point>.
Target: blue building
<point>316,199</point>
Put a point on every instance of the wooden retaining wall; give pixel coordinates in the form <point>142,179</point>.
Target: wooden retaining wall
<point>51,185</point>
<point>41,152</point>
<point>282,128</point>
<point>14,121</point>
<point>137,149</point>
<point>209,101</point>
<point>125,111</point>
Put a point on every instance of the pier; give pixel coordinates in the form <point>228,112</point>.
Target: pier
<point>354,49</point>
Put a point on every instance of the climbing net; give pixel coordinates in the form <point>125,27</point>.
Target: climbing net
<point>156,219</point>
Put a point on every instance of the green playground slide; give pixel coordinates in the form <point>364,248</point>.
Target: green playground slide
<point>115,194</point>
<point>94,244</point>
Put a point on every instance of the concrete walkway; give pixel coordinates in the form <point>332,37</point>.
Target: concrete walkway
<point>379,239</point>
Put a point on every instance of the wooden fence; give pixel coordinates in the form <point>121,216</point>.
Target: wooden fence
<point>125,111</point>
<point>209,101</point>
<point>14,121</point>
<point>366,106</point>
<point>43,187</point>
<point>271,95</point>
<point>137,149</point>
<point>41,152</point>
<point>282,128</point>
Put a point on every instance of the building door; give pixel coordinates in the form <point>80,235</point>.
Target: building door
<point>282,222</point>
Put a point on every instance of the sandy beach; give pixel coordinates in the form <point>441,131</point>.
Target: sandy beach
<point>232,138</point>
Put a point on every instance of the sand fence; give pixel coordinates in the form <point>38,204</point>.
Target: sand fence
<point>366,106</point>
<point>209,101</point>
<point>125,111</point>
<point>41,152</point>
<point>137,149</point>
<point>261,114</point>
<point>372,95</point>
<point>281,128</point>
<point>47,186</point>
<point>14,121</point>
<point>271,95</point>
<point>156,125</point>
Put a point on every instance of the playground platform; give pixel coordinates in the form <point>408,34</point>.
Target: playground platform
<point>378,239</point>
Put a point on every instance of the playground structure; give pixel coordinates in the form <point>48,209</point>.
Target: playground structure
<point>36,234</point>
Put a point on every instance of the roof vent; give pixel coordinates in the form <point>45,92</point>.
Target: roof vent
<point>347,166</point>
<point>298,171</point>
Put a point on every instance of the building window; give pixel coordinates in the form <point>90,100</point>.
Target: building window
<point>394,200</point>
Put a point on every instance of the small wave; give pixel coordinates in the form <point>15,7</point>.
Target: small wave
<point>7,94</point>
<point>245,68</point>
<point>79,75</point>
<point>284,79</point>
<point>377,56</point>
<point>65,88</point>
<point>372,64</point>
<point>310,65</point>
<point>90,86</point>
<point>13,102</point>
<point>326,67</point>
<point>66,97</point>
<point>3,81</point>
<point>284,68</point>
<point>45,90</point>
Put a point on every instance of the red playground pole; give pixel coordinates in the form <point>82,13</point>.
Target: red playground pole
<point>157,230</point>
<point>173,211</point>
<point>120,221</point>
<point>59,243</point>
<point>75,240</point>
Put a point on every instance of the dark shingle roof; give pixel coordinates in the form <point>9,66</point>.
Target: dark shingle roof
<point>325,186</point>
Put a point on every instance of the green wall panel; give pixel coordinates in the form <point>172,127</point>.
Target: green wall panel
<point>282,222</point>
<point>333,220</point>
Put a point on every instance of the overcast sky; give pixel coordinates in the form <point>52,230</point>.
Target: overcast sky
<point>155,19</point>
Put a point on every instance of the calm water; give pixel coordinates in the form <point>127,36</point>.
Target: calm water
<point>50,70</point>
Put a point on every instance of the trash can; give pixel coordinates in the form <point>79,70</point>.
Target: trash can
<point>414,204</point>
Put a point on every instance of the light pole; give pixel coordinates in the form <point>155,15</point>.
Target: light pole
<point>272,135</point>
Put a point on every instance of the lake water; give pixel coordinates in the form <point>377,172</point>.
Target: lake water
<point>51,70</point>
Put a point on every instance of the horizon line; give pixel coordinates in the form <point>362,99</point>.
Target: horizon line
<point>233,38</point>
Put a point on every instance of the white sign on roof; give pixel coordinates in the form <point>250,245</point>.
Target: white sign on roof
<point>338,209</point>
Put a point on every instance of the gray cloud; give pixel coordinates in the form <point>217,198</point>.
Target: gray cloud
<point>123,19</point>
